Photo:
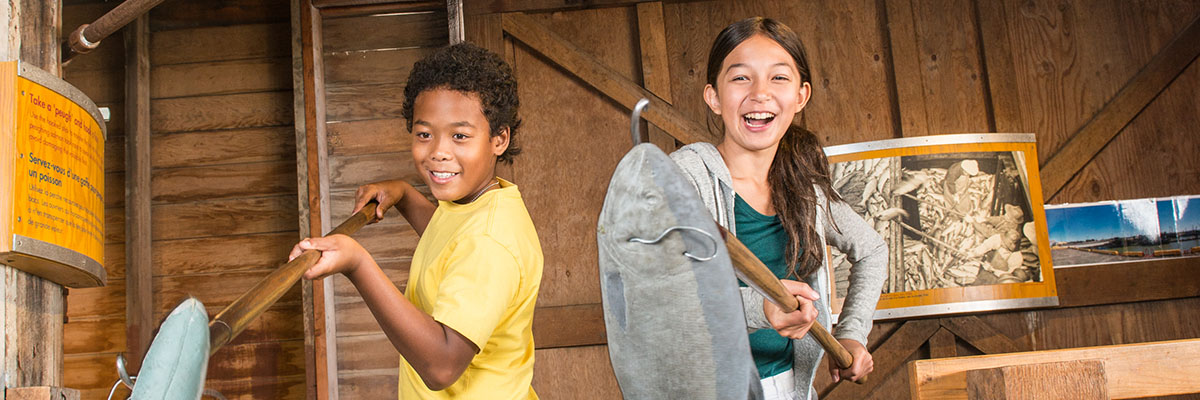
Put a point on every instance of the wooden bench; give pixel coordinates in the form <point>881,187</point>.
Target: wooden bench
<point>1103,372</point>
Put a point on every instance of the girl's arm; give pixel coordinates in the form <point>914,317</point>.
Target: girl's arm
<point>438,354</point>
<point>868,255</point>
<point>413,205</point>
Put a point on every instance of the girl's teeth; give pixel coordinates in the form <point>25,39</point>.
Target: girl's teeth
<point>759,115</point>
<point>444,175</point>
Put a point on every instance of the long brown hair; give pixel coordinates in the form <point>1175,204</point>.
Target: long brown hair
<point>799,161</point>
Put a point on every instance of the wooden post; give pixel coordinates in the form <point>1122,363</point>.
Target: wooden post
<point>139,292</point>
<point>31,308</point>
<point>1076,379</point>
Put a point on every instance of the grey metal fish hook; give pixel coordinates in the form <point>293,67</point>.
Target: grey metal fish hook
<point>634,120</point>
<point>711,239</point>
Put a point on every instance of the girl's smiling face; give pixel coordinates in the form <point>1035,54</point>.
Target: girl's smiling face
<point>453,148</point>
<point>758,93</point>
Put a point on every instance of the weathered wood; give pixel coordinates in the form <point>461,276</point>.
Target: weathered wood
<point>454,17</point>
<point>103,86</point>
<point>347,139</point>
<point>486,31</point>
<point>601,77</point>
<point>223,181</point>
<point>1167,278</point>
<point>382,9</point>
<point>224,217</point>
<point>219,43</point>
<point>1077,379</point>
<point>941,344</point>
<point>217,254</point>
<point>188,14</point>
<point>1002,87</point>
<point>340,35</point>
<point>39,25</point>
<point>33,326</point>
<point>221,77</point>
<point>656,68</point>
<point>369,384</point>
<point>227,146</point>
<point>40,393</point>
<point>1086,142</point>
<point>359,102</point>
<point>981,335</point>
<point>568,326</point>
<point>588,364</point>
<point>351,171</point>
<point>221,112</point>
<point>1124,365</point>
<point>539,6</point>
<point>139,299</point>
<point>376,67</point>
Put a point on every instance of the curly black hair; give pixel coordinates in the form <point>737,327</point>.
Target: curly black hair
<point>467,68</point>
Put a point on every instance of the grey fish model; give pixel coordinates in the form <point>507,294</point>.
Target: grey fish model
<point>676,329</point>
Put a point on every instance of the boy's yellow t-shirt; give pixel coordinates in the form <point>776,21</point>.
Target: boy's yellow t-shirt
<point>477,269</point>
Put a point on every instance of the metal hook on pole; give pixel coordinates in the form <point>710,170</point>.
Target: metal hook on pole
<point>660,237</point>
<point>634,120</point>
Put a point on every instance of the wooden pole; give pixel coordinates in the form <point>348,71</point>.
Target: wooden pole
<point>237,315</point>
<point>88,36</point>
<point>139,291</point>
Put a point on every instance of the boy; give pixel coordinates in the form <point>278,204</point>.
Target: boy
<point>463,325</point>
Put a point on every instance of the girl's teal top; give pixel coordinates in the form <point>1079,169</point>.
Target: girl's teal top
<point>765,237</point>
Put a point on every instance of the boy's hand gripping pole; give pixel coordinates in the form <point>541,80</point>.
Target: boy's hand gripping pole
<point>237,315</point>
<point>755,274</point>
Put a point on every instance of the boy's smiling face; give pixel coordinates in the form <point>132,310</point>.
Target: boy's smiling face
<point>453,148</point>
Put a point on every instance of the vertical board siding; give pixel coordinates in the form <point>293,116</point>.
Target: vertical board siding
<point>368,141</point>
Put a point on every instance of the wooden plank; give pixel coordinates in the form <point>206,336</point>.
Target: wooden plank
<point>221,77</point>
<point>1001,75</point>
<point>114,190</point>
<point>1124,365</point>
<point>230,253</point>
<point>114,153</point>
<point>562,372</point>
<point>1166,278</point>
<point>539,6</point>
<point>388,31</point>
<point>223,181</point>
<point>367,352</point>
<point>352,171</point>
<point>39,24</point>
<point>941,344</point>
<point>230,146</point>
<point>104,301</point>
<point>981,335</point>
<point>308,71</point>
<point>369,384</point>
<point>225,217</point>
<point>485,30</point>
<point>139,299</point>
<point>95,335</point>
<point>221,112</point>
<point>656,68</point>
<point>358,3</point>
<point>358,102</point>
<point>382,9</point>
<point>567,326</point>
<point>906,62</point>
<point>1086,142</point>
<point>33,321</point>
<point>1077,379</point>
<point>219,43</point>
<point>454,16</point>
<point>214,290</point>
<point>40,393</point>
<point>889,358</point>
<point>591,70</point>
<point>370,136</point>
<point>376,67</point>
<point>100,85</point>
<point>188,14</point>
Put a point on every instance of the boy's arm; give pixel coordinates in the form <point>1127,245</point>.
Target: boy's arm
<point>413,205</point>
<point>438,354</point>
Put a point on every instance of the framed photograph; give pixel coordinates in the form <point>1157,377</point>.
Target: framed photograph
<point>963,219</point>
<point>1123,230</point>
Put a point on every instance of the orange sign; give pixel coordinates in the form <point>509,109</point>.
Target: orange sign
<point>56,165</point>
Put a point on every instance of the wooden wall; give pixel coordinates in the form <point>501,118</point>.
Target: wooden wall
<point>224,184</point>
<point>223,187</point>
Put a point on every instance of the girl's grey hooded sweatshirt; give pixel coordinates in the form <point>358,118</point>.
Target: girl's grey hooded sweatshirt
<point>852,235</point>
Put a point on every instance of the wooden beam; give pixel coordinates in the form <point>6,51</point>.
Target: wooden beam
<point>353,8</point>
<point>320,338</point>
<point>906,67</point>
<point>942,344</point>
<point>609,82</point>
<point>536,6</point>
<point>1133,370</point>
<point>977,333</point>
<point>40,25</point>
<point>889,358</point>
<point>1089,140</point>
<point>1077,379</point>
<point>656,68</point>
<point>139,261</point>
<point>1000,74</point>
<point>454,17</point>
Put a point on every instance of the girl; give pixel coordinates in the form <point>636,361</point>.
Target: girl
<point>768,183</point>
